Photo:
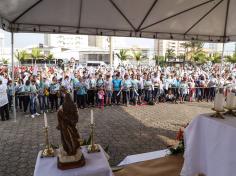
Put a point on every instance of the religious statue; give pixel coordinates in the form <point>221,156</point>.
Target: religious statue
<point>70,155</point>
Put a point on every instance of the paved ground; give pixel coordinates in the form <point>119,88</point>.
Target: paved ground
<point>127,130</point>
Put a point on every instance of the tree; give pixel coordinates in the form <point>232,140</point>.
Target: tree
<point>170,53</point>
<point>21,55</point>
<point>200,58</point>
<point>36,54</point>
<point>160,60</point>
<point>215,58</point>
<point>123,54</point>
<point>4,61</point>
<point>231,59</point>
<point>193,48</point>
<point>48,57</point>
<point>138,55</point>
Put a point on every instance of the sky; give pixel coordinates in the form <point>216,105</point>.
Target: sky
<point>25,39</point>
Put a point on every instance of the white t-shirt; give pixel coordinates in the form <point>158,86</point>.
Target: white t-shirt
<point>3,95</point>
<point>156,81</point>
<point>108,84</point>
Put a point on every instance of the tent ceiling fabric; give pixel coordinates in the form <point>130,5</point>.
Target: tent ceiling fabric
<point>206,20</point>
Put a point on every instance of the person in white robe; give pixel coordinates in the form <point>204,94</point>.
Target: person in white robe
<point>4,111</point>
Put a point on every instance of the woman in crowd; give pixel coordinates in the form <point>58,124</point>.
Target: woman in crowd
<point>33,99</point>
<point>117,83</point>
<point>9,93</point>
<point>108,89</point>
<point>19,94</point>
<point>148,88</point>
<point>126,85</point>
<point>26,95</point>
<point>53,93</point>
<point>81,93</point>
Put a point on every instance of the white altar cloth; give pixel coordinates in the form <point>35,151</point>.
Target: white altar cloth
<point>96,165</point>
<point>210,147</point>
<point>144,157</point>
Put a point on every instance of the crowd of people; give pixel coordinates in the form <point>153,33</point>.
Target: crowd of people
<point>42,89</point>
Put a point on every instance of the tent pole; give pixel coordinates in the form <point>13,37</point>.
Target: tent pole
<point>111,51</point>
<point>13,80</point>
<point>222,57</point>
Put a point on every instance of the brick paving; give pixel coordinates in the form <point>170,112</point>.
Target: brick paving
<point>127,130</point>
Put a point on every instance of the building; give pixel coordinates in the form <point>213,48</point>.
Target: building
<point>65,41</point>
<point>2,47</point>
<point>91,48</point>
<point>161,46</point>
<point>76,41</point>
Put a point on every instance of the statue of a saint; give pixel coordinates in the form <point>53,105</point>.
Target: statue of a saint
<point>69,155</point>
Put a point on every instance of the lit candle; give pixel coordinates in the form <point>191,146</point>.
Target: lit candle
<point>92,120</point>
<point>45,120</point>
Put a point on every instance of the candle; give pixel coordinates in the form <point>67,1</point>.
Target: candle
<point>230,101</point>
<point>219,102</point>
<point>45,120</point>
<point>92,119</point>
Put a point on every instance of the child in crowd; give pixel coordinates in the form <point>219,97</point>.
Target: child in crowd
<point>170,96</point>
<point>101,94</point>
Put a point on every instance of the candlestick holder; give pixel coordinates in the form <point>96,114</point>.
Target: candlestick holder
<point>230,111</point>
<point>48,151</point>
<point>217,113</point>
<point>93,148</point>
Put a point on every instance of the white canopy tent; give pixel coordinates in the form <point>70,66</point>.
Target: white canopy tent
<point>205,20</point>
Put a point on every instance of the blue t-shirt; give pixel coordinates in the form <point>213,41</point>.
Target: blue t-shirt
<point>81,88</point>
<point>135,83</point>
<point>176,83</point>
<point>9,90</point>
<point>100,83</point>
<point>127,84</point>
<point>116,84</point>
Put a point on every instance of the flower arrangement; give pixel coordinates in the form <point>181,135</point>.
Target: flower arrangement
<point>179,148</point>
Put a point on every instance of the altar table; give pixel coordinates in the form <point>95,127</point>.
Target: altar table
<point>210,147</point>
<point>96,165</point>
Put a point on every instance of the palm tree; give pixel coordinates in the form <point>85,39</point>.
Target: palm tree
<point>200,58</point>
<point>21,55</point>
<point>138,56</point>
<point>4,61</point>
<point>215,58</point>
<point>49,57</point>
<point>35,54</point>
<point>193,48</point>
<point>159,60</point>
<point>231,59</point>
<point>170,53</point>
<point>123,54</point>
